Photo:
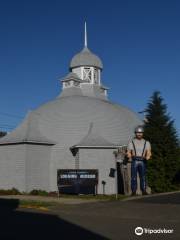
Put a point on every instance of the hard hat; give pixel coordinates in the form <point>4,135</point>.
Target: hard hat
<point>139,129</point>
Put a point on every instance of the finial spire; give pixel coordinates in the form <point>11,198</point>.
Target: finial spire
<point>85,35</point>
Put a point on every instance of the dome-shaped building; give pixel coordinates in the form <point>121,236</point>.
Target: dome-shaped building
<point>79,129</point>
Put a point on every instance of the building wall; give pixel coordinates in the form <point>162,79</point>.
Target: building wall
<point>37,167</point>
<point>103,160</point>
<point>12,166</point>
<point>61,158</point>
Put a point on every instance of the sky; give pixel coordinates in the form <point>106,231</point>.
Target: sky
<point>137,41</point>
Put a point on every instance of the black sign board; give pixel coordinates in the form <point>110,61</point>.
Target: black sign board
<point>77,181</point>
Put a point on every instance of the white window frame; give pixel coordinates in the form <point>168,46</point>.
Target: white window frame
<point>96,76</point>
<point>90,79</point>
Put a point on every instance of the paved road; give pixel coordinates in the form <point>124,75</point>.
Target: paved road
<point>117,220</point>
<point>100,220</point>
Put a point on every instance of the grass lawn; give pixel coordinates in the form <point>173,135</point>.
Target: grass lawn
<point>45,205</point>
<point>96,197</point>
<point>41,205</point>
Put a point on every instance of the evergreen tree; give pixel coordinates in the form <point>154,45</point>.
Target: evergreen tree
<point>160,131</point>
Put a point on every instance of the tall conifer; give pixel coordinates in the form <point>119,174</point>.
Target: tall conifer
<point>161,132</point>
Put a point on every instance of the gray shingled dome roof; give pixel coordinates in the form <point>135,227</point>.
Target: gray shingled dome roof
<point>66,120</point>
<point>26,132</point>
<point>86,58</point>
<point>93,139</point>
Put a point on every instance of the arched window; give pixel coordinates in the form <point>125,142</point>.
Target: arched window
<point>67,84</point>
<point>76,84</point>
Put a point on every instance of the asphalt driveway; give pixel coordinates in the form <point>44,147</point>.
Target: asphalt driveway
<point>95,220</point>
<point>118,219</point>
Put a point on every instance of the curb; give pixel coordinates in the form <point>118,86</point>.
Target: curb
<point>149,196</point>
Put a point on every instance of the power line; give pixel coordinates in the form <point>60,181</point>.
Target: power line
<point>10,128</point>
<point>6,125</point>
<point>10,115</point>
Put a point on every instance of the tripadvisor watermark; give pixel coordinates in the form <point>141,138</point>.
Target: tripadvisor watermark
<point>139,231</point>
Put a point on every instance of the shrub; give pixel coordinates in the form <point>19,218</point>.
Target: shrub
<point>38,192</point>
<point>12,191</point>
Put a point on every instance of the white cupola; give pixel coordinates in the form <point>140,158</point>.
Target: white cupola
<point>84,77</point>
<point>87,65</point>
